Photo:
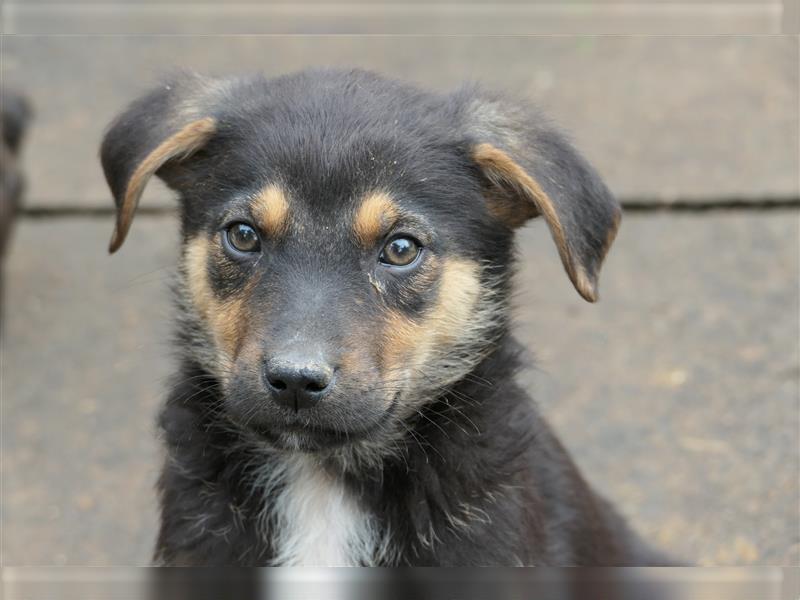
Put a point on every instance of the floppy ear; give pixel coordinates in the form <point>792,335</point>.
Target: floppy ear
<point>530,169</point>
<point>164,127</point>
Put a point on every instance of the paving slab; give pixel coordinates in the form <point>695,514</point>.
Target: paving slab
<point>664,118</point>
<point>677,393</point>
<point>85,361</point>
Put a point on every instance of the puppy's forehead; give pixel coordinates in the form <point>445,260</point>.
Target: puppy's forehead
<point>331,148</point>
<point>341,164</point>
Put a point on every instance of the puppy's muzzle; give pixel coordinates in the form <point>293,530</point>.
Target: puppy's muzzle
<point>298,381</point>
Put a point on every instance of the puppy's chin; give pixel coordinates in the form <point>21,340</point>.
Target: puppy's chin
<point>293,433</point>
<point>304,439</point>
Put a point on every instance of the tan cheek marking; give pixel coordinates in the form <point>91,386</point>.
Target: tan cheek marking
<point>227,321</point>
<point>401,336</point>
<point>458,297</point>
<point>374,216</point>
<point>250,353</point>
<point>422,279</point>
<point>196,261</point>
<point>411,344</point>
<point>350,361</point>
<point>230,323</point>
<point>271,209</point>
<point>356,362</point>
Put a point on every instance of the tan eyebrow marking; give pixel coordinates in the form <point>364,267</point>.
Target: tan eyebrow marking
<point>376,213</point>
<point>271,210</point>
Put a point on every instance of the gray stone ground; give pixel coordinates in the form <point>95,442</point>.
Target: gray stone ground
<point>677,393</point>
<point>665,118</point>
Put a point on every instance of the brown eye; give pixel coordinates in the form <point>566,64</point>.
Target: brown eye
<point>400,251</point>
<point>242,238</point>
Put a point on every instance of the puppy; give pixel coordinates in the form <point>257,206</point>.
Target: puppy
<point>346,390</point>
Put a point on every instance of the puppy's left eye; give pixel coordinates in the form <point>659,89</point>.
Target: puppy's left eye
<point>400,251</point>
<point>242,237</point>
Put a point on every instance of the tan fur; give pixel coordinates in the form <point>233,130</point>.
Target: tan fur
<point>508,209</point>
<point>271,210</point>
<point>409,344</point>
<point>375,214</point>
<point>179,145</point>
<point>226,320</point>
<point>196,263</point>
<point>355,360</point>
<point>459,293</point>
<point>501,167</point>
<point>230,324</point>
<point>400,337</point>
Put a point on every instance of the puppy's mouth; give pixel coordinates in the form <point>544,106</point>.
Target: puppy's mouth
<point>314,438</point>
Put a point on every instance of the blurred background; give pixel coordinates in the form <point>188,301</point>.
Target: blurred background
<point>677,393</point>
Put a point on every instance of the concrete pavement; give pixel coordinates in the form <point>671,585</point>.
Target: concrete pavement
<point>663,118</point>
<point>678,392</point>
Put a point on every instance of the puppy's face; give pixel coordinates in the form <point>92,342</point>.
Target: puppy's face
<point>339,291</point>
<point>347,240</point>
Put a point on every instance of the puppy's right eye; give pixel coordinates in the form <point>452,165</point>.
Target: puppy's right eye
<point>241,237</point>
<point>400,252</point>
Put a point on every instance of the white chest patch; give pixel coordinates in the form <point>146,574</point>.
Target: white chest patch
<point>316,521</point>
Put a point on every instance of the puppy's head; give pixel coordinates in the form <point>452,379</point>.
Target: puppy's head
<point>347,240</point>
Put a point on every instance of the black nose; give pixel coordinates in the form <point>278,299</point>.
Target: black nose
<point>297,384</point>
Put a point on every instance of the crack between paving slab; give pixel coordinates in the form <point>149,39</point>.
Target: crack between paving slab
<point>642,205</point>
<point>711,205</point>
<point>58,212</point>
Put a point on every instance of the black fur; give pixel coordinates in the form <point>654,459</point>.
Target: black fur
<point>472,440</point>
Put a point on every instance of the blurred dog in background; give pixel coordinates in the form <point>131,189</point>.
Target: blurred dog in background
<point>15,113</point>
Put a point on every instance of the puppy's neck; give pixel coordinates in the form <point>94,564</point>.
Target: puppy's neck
<point>311,518</point>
